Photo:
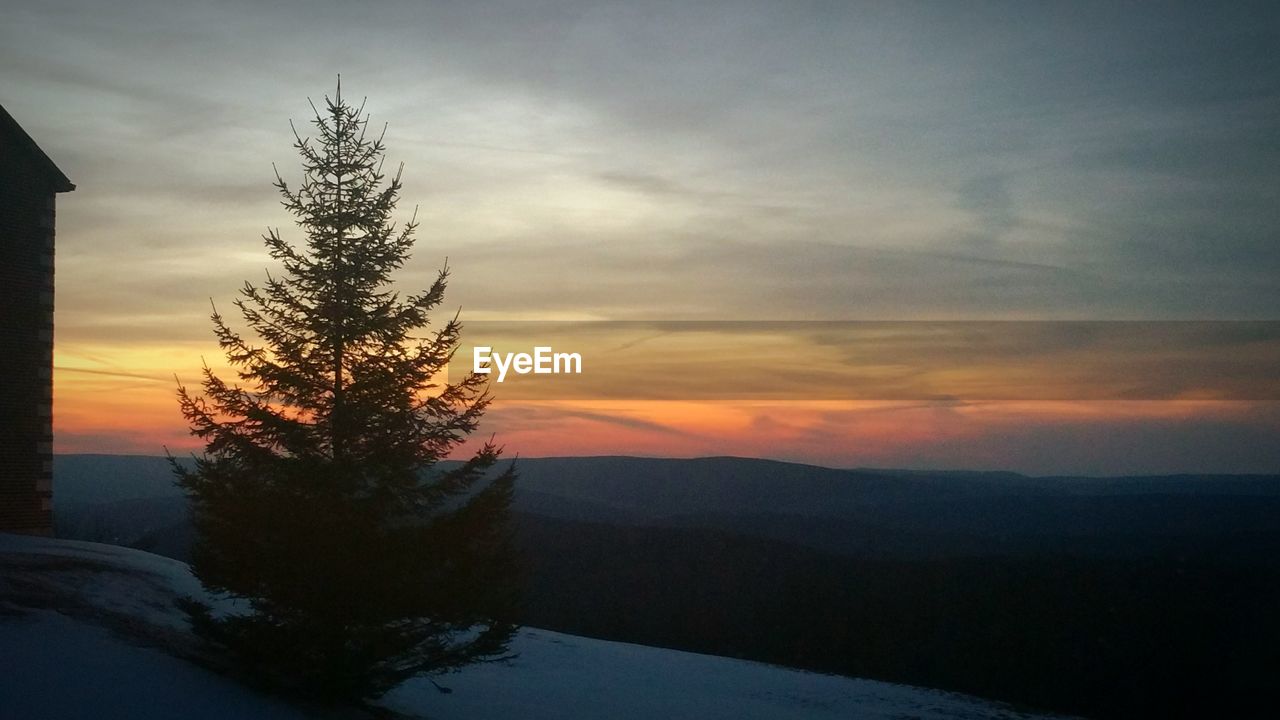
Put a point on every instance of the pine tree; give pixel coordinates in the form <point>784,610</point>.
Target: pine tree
<point>320,499</point>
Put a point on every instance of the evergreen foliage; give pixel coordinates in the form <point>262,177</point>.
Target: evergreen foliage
<point>320,498</point>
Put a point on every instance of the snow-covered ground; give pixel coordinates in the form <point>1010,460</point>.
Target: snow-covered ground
<point>91,631</point>
<point>57,667</point>
<point>565,676</point>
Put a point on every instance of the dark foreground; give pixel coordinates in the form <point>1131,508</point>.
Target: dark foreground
<point>1124,597</point>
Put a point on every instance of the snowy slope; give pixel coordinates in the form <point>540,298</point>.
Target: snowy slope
<point>565,676</point>
<point>89,630</point>
<point>58,667</point>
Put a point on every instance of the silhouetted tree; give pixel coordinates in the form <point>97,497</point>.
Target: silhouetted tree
<point>318,499</point>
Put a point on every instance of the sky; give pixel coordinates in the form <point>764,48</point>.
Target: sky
<point>652,161</point>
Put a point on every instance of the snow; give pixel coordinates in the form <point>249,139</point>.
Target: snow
<point>563,676</point>
<point>57,668</point>
<point>90,630</point>
<point>106,578</point>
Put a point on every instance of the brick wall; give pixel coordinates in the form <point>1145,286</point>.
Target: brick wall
<point>26,344</point>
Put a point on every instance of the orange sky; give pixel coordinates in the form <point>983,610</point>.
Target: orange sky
<point>118,397</point>
<point>101,408</point>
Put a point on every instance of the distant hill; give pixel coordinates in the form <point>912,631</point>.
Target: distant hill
<point>883,513</point>
<point>84,479</point>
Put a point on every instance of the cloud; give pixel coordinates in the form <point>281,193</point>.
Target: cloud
<point>533,418</point>
<point>650,160</point>
<point>753,147</point>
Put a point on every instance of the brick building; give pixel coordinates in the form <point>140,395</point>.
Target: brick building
<point>29,182</point>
